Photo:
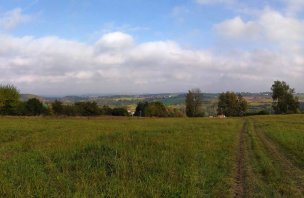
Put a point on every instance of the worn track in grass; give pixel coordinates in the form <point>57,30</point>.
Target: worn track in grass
<point>288,167</point>
<point>239,177</point>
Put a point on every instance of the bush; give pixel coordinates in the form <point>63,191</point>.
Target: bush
<point>87,108</point>
<point>120,112</point>
<point>151,109</point>
<point>106,110</point>
<point>34,107</point>
<point>9,100</point>
<point>57,107</point>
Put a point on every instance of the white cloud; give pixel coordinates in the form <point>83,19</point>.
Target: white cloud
<point>294,6</point>
<point>238,29</point>
<point>269,27</point>
<point>13,18</point>
<point>115,40</point>
<point>54,66</point>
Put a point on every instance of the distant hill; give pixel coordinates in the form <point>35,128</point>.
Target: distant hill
<point>257,101</point>
<point>25,97</point>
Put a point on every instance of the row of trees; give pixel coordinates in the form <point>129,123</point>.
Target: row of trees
<point>232,104</point>
<point>86,109</point>
<point>156,109</point>
<point>10,104</point>
<point>229,104</point>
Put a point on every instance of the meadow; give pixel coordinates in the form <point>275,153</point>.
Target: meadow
<point>151,157</point>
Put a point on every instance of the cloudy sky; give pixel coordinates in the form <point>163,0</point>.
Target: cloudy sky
<point>55,47</point>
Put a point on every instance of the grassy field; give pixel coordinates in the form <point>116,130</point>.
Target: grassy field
<point>128,157</point>
<point>274,156</point>
<point>42,157</point>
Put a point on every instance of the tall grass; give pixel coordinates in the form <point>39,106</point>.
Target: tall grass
<point>42,157</point>
<point>288,132</point>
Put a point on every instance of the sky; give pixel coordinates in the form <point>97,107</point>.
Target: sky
<point>57,48</point>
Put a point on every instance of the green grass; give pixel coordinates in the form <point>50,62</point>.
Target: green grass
<point>288,132</point>
<point>264,175</point>
<point>169,157</point>
<point>42,157</point>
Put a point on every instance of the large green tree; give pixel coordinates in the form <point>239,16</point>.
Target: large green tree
<point>156,109</point>
<point>57,107</point>
<point>194,103</point>
<point>34,107</point>
<point>283,97</point>
<point>231,104</point>
<point>9,99</point>
<point>151,109</point>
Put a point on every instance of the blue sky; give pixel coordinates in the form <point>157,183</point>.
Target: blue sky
<point>55,47</point>
<point>146,20</point>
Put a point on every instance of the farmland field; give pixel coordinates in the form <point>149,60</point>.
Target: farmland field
<point>129,157</point>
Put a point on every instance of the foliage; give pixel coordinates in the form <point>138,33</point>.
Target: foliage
<point>151,109</point>
<point>140,109</point>
<point>156,109</point>
<point>119,112</point>
<point>69,110</point>
<point>87,108</point>
<point>106,110</point>
<point>57,107</point>
<point>9,99</point>
<point>283,97</point>
<point>175,112</point>
<point>231,104</point>
<point>34,107</point>
<point>194,103</point>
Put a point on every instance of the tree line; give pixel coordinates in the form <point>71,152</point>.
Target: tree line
<point>229,104</point>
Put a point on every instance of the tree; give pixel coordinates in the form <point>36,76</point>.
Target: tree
<point>57,107</point>
<point>120,112</point>
<point>106,110</point>
<point>151,109</point>
<point>194,103</point>
<point>140,109</point>
<point>34,107</point>
<point>283,98</point>
<point>231,104</point>
<point>87,108</point>
<point>9,99</point>
<point>155,109</point>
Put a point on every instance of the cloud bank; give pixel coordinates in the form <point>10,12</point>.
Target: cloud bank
<point>117,64</point>
<point>252,53</point>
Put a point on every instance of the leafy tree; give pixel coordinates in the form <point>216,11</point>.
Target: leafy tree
<point>57,107</point>
<point>283,97</point>
<point>194,103</point>
<point>140,109</point>
<point>175,112</point>
<point>155,109</point>
<point>231,104</point>
<point>106,110</point>
<point>69,110</point>
<point>87,108</point>
<point>150,109</point>
<point>120,112</point>
<point>34,107</point>
<point>9,99</point>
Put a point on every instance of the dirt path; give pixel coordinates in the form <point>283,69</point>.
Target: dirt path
<point>294,172</point>
<point>239,177</point>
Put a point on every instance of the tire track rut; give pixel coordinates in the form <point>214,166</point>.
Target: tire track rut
<point>290,169</point>
<point>239,177</point>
